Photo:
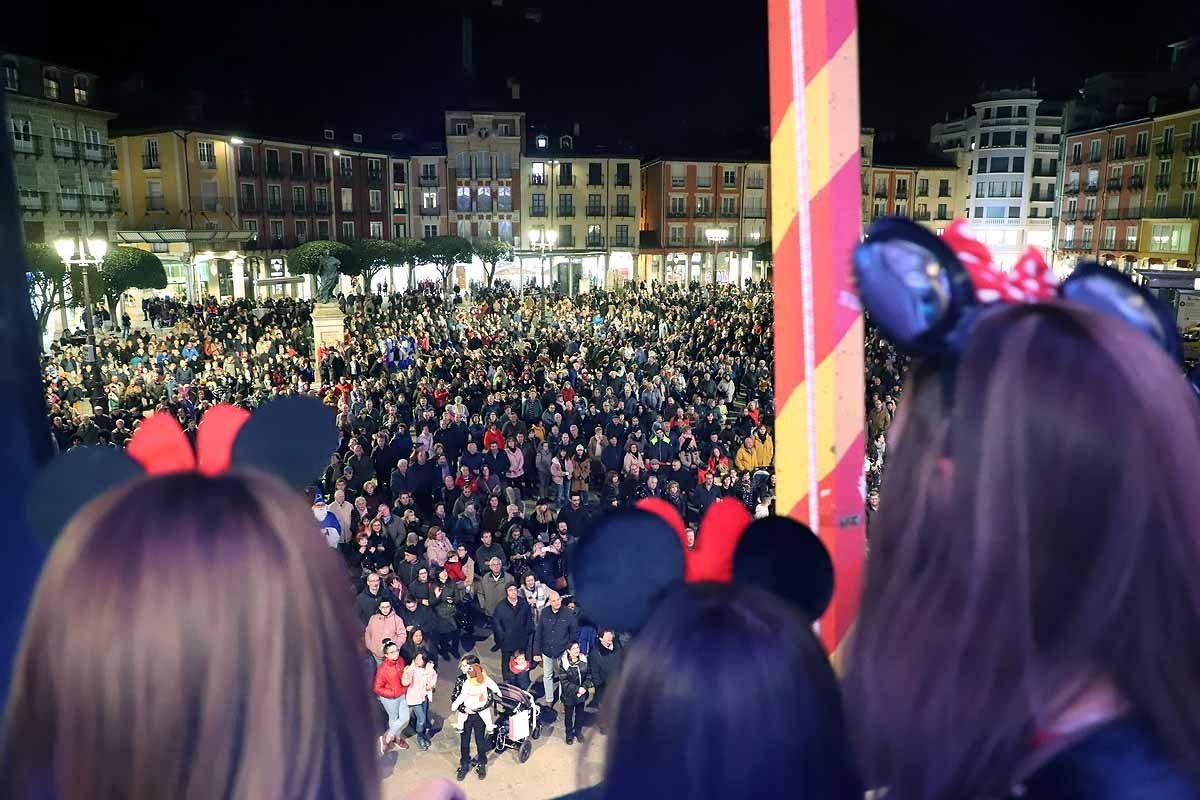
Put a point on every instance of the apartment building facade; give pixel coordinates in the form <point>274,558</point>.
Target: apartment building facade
<point>1129,194</point>
<point>60,146</point>
<point>483,159</point>
<point>583,198</point>
<point>1006,151</point>
<point>686,201</point>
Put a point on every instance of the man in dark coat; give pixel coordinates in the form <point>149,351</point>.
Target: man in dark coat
<point>368,598</point>
<point>555,631</point>
<point>513,626</point>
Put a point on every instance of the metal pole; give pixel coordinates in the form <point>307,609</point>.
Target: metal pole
<point>94,367</point>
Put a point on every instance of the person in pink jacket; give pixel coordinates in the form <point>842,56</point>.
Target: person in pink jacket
<point>420,677</point>
<point>437,546</point>
<point>384,624</point>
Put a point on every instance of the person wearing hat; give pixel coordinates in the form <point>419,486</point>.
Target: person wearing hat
<point>327,521</point>
<point>410,563</point>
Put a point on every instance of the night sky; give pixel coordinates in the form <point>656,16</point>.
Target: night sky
<point>660,76</point>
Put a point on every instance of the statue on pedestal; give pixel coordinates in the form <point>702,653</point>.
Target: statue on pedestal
<point>327,281</point>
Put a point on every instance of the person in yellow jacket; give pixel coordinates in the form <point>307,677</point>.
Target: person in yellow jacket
<point>764,448</point>
<point>745,458</point>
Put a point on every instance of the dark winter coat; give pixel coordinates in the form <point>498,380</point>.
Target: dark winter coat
<point>573,677</point>
<point>555,631</point>
<point>606,663</point>
<point>513,625</point>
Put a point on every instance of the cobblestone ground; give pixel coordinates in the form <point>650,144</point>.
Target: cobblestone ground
<point>553,768</point>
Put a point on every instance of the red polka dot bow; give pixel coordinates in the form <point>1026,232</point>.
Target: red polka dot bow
<point>1030,281</point>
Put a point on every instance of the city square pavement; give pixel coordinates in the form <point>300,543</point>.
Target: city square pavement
<point>553,768</point>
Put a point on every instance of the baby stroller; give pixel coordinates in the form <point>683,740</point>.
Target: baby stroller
<point>516,722</point>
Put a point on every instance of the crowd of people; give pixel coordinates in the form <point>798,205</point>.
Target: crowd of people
<point>474,449</point>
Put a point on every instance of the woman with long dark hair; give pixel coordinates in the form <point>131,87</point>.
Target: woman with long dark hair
<point>1030,621</point>
<point>725,694</point>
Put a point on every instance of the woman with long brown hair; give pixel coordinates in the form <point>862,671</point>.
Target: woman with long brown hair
<point>1030,621</point>
<point>188,638</point>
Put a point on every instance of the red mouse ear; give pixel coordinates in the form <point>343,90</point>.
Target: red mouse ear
<point>160,446</point>
<point>716,541</point>
<point>214,437</point>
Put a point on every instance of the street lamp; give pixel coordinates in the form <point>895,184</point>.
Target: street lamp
<point>717,236</point>
<point>90,252</point>
<point>543,241</point>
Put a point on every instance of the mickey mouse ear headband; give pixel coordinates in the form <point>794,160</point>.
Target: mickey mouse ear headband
<point>925,292</point>
<point>290,437</point>
<point>630,558</point>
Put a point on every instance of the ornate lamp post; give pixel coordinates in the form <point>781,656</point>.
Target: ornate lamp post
<point>86,253</point>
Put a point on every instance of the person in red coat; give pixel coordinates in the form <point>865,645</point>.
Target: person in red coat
<point>493,434</point>
<point>391,689</point>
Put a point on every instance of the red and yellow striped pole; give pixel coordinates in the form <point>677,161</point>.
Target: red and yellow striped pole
<point>816,213</point>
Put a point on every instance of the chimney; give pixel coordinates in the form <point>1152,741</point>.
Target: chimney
<point>1152,106</point>
<point>576,129</point>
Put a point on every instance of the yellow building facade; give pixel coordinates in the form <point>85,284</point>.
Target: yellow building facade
<point>175,197</point>
<point>588,199</point>
<point>1169,234</point>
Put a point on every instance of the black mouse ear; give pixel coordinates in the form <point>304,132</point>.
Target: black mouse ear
<point>71,481</point>
<point>784,557</point>
<point>623,564</point>
<point>291,437</point>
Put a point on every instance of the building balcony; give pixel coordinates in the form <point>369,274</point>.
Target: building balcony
<point>298,174</point>
<point>537,211</point>
<point>278,243</point>
<point>1136,182</point>
<point>398,174</point>
<point>431,211</point>
<point>882,193</point>
<point>375,210</point>
<point>64,148</point>
<point>537,180</point>
<point>943,217</point>
<point>1189,181</point>
<point>1192,145</point>
<point>901,194</point>
<point>594,241</point>
<point>248,204</point>
<point>943,194</point>
<point>1165,148</point>
<point>247,169</point>
<point>33,201</point>
<point>400,210</point>
<point>568,241</point>
<point>1089,216</point>
<point>703,213</point>
<point>320,175</point>
<point>27,145</point>
<point>1162,181</point>
<point>94,151</point>
<point>504,208</point>
<point>1044,173</point>
<point>156,203</point>
<point>921,216</point>
<point>151,161</point>
<point>70,203</point>
<point>1071,216</point>
<point>1112,213</point>
<point>1141,152</point>
<point>274,207</point>
<point>483,173</point>
<point>1076,160</point>
<point>1116,154</point>
<point>1094,158</point>
<point>427,180</point>
<point>1113,184</point>
<point>594,211</point>
<point>624,211</point>
<point>102,203</point>
<point>622,241</point>
<point>375,177</point>
<point>566,180</point>
<point>758,183</point>
<point>922,193</point>
<point>345,173</point>
<point>678,183</point>
<point>755,213</point>
<point>677,213</point>
<point>595,181</point>
<point>299,209</point>
<point>566,211</point>
<point>1169,212</point>
<point>704,183</point>
<point>272,171</point>
<point>321,208</point>
<point>1092,188</point>
<point>1071,188</point>
<point>729,213</point>
<point>623,180</point>
<point>483,208</point>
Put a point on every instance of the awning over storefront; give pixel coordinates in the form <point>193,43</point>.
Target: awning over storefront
<point>179,235</point>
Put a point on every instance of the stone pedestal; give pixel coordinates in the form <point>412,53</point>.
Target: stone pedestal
<point>329,329</point>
